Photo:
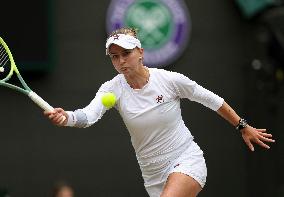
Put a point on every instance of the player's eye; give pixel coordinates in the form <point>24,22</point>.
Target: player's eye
<point>126,53</point>
<point>113,56</point>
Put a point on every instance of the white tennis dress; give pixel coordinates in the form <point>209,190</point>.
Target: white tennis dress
<point>152,115</point>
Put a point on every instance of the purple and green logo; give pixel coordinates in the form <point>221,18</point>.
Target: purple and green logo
<point>163,27</point>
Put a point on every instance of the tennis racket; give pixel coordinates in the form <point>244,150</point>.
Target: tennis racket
<point>7,68</point>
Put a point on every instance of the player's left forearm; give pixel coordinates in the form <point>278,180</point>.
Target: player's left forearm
<point>227,112</point>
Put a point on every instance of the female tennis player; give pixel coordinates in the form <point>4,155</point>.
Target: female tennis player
<point>148,99</point>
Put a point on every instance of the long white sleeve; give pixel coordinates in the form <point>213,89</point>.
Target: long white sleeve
<point>90,114</point>
<point>187,88</point>
<point>87,116</point>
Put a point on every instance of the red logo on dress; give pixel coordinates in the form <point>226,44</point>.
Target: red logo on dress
<point>160,99</point>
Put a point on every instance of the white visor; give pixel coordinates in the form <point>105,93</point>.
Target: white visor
<point>125,41</point>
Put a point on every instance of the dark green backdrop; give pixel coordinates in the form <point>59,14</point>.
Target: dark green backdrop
<point>100,161</point>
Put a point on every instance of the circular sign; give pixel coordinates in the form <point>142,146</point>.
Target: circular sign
<point>163,27</point>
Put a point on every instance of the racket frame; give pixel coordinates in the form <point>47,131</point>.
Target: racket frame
<point>26,89</point>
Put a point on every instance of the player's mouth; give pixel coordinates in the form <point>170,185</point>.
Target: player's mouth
<point>123,69</point>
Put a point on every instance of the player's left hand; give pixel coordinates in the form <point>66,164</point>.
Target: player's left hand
<point>256,136</point>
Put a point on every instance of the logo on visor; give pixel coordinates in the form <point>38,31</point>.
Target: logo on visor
<point>163,27</point>
<point>115,37</point>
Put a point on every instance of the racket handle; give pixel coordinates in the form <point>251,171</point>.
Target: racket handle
<point>43,104</point>
<point>40,102</point>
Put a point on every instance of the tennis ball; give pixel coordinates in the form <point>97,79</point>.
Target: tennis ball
<point>2,69</point>
<point>109,100</point>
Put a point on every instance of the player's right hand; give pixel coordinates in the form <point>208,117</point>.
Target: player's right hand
<point>58,116</point>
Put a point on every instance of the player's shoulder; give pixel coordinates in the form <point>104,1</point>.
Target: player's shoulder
<point>112,83</point>
<point>167,74</point>
<point>114,80</point>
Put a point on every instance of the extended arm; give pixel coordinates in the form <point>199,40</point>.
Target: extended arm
<point>80,118</point>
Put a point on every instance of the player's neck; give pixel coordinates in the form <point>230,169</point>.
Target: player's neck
<point>139,79</point>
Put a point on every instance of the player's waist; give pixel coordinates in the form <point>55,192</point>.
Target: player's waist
<point>159,159</point>
<point>158,164</point>
<point>163,143</point>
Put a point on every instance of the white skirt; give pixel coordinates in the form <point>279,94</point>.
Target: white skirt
<point>191,162</point>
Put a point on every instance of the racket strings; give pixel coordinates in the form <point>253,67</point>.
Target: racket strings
<point>4,57</point>
<point>4,63</point>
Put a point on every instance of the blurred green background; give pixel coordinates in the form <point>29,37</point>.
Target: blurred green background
<point>59,45</point>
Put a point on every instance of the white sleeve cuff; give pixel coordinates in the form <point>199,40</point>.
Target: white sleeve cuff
<point>71,119</point>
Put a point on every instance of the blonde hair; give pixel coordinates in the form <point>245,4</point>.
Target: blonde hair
<point>125,30</point>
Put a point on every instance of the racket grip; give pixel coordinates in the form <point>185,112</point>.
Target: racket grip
<point>40,102</point>
<point>43,104</point>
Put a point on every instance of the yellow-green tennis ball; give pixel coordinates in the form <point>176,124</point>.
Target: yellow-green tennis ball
<point>108,100</point>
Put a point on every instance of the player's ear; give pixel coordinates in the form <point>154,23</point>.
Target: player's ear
<point>141,51</point>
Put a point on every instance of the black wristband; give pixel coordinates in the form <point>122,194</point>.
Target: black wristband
<point>242,124</point>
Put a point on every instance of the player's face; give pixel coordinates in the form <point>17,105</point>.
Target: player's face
<point>125,61</point>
